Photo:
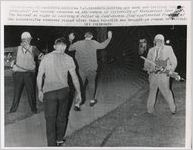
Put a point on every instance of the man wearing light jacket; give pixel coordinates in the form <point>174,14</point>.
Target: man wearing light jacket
<point>158,79</point>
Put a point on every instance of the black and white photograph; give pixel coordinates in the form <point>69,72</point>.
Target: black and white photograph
<point>96,75</point>
<point>95,86</point>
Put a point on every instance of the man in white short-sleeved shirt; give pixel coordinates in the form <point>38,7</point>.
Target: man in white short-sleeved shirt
<point>53,89</point>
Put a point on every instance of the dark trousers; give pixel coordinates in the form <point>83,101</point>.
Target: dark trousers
<point>56,105</point>
<point>28,80</point>
<point>91,77</point>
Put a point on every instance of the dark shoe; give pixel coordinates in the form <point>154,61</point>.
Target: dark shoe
<point>173,113</point>
<point>77,108</point>
<point>93,102</point>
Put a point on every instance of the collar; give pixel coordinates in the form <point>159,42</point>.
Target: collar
<point>25,50</point>
<point>58,52</point>
<point>88,39</point>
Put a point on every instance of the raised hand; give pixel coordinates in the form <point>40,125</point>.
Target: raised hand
<point>110,34</point>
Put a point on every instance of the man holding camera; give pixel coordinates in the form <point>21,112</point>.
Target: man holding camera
<point>158,79</point>
<point>23,66</point>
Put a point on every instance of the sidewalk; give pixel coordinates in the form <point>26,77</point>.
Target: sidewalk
<point>130,126</point>
<point>115,87</point>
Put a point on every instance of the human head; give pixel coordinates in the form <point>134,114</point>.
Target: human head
<point>26,37</point>
<point>60,44</point>
<point>159,40</point>
<point>71,36</point>
<point>88,35</point>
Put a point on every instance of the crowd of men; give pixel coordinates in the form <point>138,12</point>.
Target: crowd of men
<point>52,77</point>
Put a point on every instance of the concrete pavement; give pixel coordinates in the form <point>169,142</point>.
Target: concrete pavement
<point>119,119</point>
<point>129,125</point>
<point>115,87</point>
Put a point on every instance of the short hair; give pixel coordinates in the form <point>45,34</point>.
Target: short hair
<point>61,40</point>
<point>88,34</point>
<point>159,37</point>
<point>26,35</point>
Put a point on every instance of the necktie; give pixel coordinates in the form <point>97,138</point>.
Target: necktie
<point>157,53</point>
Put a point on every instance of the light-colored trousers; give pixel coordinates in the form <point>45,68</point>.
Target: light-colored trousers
<point>161,82</point>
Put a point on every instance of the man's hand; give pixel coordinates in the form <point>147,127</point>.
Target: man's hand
<point>110,34</point>
<point>41,56</point>
<point>157,69</point>
<point>170,72</point>
<point>71,37</point>
<point>14,68</point>
<point>78,98</point>
<point>41,96</point>
<point>78,101</point>
<point>75,81</point>
<point>12,63</point>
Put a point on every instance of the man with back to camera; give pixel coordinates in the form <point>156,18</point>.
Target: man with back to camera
<point>159,79</point>
<point>86,56</point>
<point>54,93</point>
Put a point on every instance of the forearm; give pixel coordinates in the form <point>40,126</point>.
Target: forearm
<point>72,47</point>
<point>14,54</point>
<point>38,53</point>
<point>104,44</point>
<point>39,83</point>
<point>172,60</point>
<point>13,61</point>
<point>173,64</point>
<point>76,84</point>
<point>75,80</point>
